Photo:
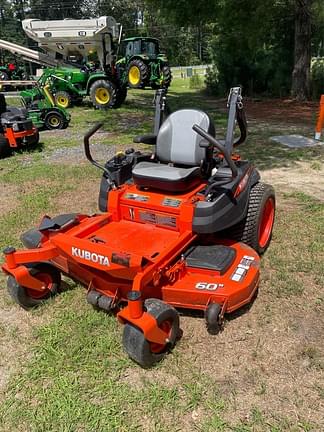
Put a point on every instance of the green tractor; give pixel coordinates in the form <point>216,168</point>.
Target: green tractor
<point>41,109</point>
<point>70,85</point>
<point>142,64</point>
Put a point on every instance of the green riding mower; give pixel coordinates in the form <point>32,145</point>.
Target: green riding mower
<point>142,64</point>
<point>42,110</point>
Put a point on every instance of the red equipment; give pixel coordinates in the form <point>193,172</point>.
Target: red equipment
<point>159,245</point>
<point>16,129</point>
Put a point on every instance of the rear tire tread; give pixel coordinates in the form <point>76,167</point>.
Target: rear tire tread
<point>246,231</point>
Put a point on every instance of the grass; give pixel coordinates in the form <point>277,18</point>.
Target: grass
<point>68,370</point>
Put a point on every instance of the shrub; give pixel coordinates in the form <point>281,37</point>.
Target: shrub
<point>212,80</point>
<point>195,82</point>
<point>317,77</point>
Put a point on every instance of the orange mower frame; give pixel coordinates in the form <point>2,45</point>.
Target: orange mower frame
<point>154,252</point>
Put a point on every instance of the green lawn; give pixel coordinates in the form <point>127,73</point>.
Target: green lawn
<point>62,367</point>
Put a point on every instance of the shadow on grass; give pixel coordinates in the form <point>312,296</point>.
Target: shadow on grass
<point>30,148</point>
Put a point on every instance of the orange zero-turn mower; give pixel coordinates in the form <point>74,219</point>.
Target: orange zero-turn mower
<point>180,228</point>
<point>16,129</point>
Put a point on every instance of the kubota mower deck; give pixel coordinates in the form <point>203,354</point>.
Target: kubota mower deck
<point>159,245</point>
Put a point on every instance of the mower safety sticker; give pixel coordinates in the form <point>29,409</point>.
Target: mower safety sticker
<point>136,197</point>
<point>158,219</point>
<point>90,256</point>
<point>171,202</point>
<point>242,268</point>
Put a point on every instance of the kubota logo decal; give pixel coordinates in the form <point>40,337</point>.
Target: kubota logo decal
<point>90,256</point>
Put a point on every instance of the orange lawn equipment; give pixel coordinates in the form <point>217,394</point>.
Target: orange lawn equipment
<point>16,129</point>
<point>181,229</point>
<point>320,120</point>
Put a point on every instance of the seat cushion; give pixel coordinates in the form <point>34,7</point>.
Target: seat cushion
<point>165,177</point>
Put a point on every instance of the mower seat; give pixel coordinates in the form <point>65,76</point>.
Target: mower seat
<point>179,155</point>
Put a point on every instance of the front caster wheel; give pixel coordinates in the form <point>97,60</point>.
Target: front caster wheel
<point>212,317</point>
<point>28,298</point>
<point>147,353</point>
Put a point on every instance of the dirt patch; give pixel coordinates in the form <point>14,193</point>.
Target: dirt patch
<point>274,110</point>
<point>139,378</point>
<point>284,110</point>
<point>84,200</point>
<point>303,176</point>
<point>264,361</point>
<point>9,197</point>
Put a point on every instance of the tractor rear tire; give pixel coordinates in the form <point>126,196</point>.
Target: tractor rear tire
<point>121,96</point>
<point>28,298</point>
<point>167,76</point>
<point>54,120</point>
<point>63,99</point>
<point>137,74</point>
<point>256,228</point>
<point>5,149</point>
<point>103,94</point>
<point>146,353</point>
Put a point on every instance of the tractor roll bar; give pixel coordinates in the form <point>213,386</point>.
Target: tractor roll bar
<point>212,142</point>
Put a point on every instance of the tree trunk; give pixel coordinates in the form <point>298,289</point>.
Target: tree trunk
<point>300,88</point>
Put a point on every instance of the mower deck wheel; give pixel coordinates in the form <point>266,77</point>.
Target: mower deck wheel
<point>146,353</point>
<point>28,298</point>
<point>256,229</point>
<point>93,297</point>
<point>213,322</point>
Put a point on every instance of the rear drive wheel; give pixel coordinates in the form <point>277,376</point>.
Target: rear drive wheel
<point>34,139</point>
<point>103,94</point>
<point>167,76</point>
<point>146,353</point>
<point>63,99</point>
<point>256,229</point>
<point>54,120</point>
<point>28,298</point>
<point>5,148</point>
<point>137,74</point>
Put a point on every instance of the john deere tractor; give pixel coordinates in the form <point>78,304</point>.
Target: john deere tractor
<point>70,85</point>
<point>142,64</point>
<point>64,40</point>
